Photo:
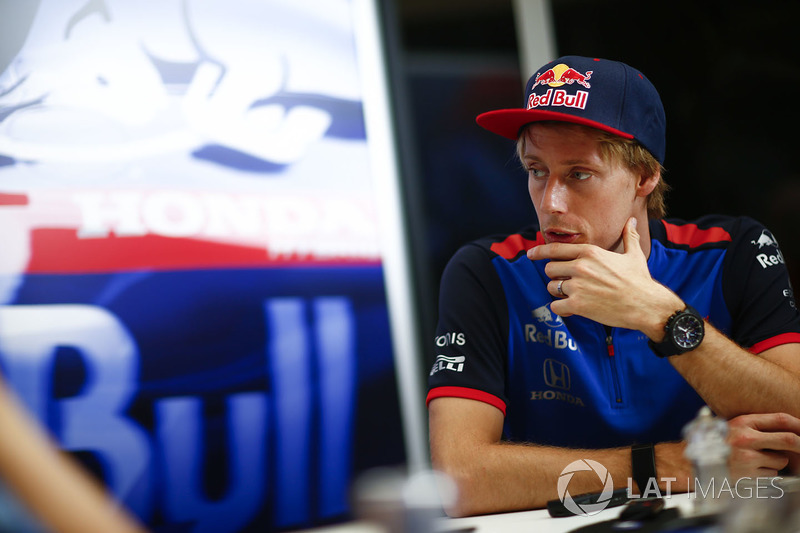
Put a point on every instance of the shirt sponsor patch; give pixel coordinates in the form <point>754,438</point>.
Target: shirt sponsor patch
<point>450,339</point>
<point>444,362</point>
<point>772,255</point>
<point>546,332</point>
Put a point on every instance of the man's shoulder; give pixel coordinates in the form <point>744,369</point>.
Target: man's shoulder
<point>509,246</point>
<point>709,231</point>
<point>486,260</point>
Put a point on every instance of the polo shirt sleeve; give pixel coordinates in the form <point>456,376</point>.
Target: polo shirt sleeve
<point>472,334</point>
<point>758,290</point>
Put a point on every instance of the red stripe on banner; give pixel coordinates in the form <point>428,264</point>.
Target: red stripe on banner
<point>691,235</point>
<point>13,199</point>
<point>514,244</point>
<point>469,394</point>
<point>61,251</point>
<point>783,338</point>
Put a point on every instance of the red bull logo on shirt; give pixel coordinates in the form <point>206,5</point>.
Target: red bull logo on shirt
<point>558,76</point>
<point>553,335</point>
<point>765,260</point>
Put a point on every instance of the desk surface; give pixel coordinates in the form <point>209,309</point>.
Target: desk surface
<point>540,521</point>
<point>764,513</point>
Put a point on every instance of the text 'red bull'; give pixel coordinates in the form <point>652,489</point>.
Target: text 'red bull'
<point>559,98</point>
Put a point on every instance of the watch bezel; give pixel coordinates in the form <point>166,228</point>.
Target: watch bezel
<point>693,334</point>
<point>671,345</point>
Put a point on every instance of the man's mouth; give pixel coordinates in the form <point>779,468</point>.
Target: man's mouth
<point>560,236</point>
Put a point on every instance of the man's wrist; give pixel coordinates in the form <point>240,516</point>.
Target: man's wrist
<point>674,469</point>
<point>659,316</point>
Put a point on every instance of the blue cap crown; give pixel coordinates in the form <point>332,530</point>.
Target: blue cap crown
<point>603,94</point>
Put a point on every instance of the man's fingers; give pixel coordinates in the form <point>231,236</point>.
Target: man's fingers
<point>560,306</point>
<point>631,240</point>
<point>759,454</point>
<point>794,463</point>
<point>768,422</point>
<point>557,251</point>
<point>763,463</point>
<point>630,236</point>
<point>773,460</point>
<point>764,473</point>
<point>782,441</point>
<point>556,288</point>
<point>560,269</point>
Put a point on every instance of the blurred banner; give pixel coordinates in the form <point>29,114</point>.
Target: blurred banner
<point>192,273</point>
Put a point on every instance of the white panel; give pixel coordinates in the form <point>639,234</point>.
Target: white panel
<point>395,253</point>
<point>535,35</point>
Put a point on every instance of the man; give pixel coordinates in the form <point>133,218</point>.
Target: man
<point>599,333</point>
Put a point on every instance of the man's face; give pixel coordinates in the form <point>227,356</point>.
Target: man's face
<point>578,196</point>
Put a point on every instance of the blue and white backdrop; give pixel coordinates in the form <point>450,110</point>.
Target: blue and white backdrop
<point>197,251</point>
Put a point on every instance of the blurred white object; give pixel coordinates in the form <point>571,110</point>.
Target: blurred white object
<point>400,503</point>
<point>708,451</point>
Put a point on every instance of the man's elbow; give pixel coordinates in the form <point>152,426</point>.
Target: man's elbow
<point>467,498</point>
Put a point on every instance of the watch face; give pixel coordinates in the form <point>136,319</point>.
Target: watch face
<point>687,332</point>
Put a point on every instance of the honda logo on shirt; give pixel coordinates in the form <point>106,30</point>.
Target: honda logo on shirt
<point>556,374</point>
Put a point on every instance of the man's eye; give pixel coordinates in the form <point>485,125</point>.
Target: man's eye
<point>537,173</point>
<point>582,175</point>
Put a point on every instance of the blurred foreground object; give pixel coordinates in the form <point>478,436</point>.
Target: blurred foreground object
<point>775,508</point>
<point>52,486</point>
<point>399,503</point>
<point>708,451</point>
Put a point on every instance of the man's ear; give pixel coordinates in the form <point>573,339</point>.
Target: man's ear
<point>647,184</point>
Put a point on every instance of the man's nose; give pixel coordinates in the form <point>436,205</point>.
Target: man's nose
<point>554,199</point>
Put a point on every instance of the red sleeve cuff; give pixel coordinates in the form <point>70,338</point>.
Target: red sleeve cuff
<point>469,394</point>
<point>784,338</point>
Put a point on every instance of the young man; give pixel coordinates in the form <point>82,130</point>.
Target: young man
<point>600,332</point>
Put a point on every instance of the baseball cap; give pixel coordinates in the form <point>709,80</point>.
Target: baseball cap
<point>600,93</point>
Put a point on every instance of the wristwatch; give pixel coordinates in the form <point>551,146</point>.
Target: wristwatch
<point>684,332</point>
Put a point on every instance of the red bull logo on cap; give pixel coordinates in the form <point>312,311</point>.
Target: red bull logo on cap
<point>563,74</point>
<point>558,76</point>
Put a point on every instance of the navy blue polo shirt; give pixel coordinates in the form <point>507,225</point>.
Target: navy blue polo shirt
<point>574,382</point>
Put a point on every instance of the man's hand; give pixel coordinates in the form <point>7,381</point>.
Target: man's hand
<point>615,289</point>
<point>763,444</point>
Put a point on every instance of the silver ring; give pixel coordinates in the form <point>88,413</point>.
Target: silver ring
<point>558,287</point>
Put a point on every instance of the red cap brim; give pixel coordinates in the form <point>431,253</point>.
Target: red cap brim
<point>508,122</point>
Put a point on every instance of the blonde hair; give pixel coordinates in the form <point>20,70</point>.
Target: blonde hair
<point>625,151</point>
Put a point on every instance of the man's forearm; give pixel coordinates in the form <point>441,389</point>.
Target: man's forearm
<point>734,381</point>
<point>508,476</point>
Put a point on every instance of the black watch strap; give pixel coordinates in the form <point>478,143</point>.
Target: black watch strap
<point>643,465</point>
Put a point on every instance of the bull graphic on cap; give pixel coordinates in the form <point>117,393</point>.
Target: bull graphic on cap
<point>562,74</point>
